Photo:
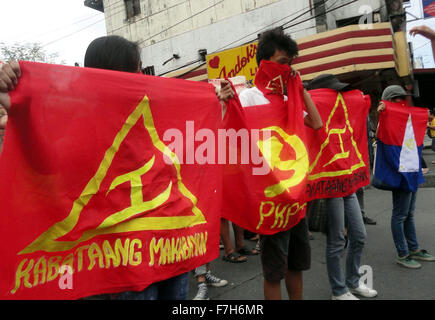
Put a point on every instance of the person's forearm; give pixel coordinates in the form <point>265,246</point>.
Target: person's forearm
<point>313,119</point>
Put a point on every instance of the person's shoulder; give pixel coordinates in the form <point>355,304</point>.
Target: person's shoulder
<point>250,92</point>
<point>252,96</point>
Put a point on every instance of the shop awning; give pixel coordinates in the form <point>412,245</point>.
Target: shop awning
<point>346,49</point>
<point>194,73</point>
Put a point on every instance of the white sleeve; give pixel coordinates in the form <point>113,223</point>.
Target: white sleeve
<point>244,98</point>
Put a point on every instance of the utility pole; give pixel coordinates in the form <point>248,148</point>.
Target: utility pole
<point>397,14</point>
<point>320,13</point>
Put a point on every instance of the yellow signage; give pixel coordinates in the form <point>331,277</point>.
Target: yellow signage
<point>240,61</point>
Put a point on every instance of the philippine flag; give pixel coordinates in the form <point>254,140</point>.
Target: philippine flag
<point>399,147</point>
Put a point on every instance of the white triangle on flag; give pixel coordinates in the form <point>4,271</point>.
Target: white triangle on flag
<point>409,159</point>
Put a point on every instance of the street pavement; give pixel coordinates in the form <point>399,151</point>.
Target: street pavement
<point>393,282</point>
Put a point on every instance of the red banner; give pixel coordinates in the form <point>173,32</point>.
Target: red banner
<point>268,196</point>
<point>90,191</point>
<point>395,120</point>
<point>339,151</point>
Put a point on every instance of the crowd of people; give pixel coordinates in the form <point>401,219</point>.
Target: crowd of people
<point>285,255</point>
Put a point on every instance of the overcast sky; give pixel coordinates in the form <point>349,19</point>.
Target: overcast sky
<point>422,47</point>
<point>67,27</point>
<point>68,24</point>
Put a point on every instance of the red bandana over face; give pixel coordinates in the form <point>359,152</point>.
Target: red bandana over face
<point>272,78</point>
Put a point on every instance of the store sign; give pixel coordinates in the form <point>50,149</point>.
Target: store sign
<point>230,63</point>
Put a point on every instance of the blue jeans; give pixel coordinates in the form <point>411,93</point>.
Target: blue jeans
<point>176,288</point>
<point>402,222</point>
<point>341,211</point>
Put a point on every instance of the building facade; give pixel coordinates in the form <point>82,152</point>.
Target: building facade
<point>178,33</point>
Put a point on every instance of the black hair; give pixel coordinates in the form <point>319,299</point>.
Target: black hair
<point>113,53</point>
<point>273,40</point>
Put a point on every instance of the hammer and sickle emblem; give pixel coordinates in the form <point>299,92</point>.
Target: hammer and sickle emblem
<point>295,170</point>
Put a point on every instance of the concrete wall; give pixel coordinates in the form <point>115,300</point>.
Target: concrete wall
<point>160,15</point>
<point>353,10</point>
<point>167,27</point>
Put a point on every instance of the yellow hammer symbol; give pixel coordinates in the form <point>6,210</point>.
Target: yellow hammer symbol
<point>297,169</point>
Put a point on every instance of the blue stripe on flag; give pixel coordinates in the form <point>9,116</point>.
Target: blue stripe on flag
<point>387,168</point>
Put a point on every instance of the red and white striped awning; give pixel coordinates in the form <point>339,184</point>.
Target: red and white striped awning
<point>338,51</point>
<point>195,73</point>
<point>346,50</point>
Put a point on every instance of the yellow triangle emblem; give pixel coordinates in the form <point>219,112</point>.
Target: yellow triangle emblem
<point>124,220</point>
<point>336,133</point>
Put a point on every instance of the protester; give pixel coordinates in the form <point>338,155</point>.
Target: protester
<point>238,253</point>
<point>251,236</point>
<point>111,53</point>
<point>404,203</point>
<point>424,167</point>
<point>371,129</point>
<point>360,196</point>
<point>117,53</point>
<point>204,277</point>
<point>431,127</point>
<point>343,212</point>
<point>286,254</point>
<point>9,75</point>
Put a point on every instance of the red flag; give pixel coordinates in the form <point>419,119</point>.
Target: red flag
<point>268,197</point>
<point>395,120</point>
<point>89,185</point>
<point>339,151</point>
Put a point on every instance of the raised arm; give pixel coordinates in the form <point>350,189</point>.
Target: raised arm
<point>9,74</point>
<point>312,119</point>
<point>426,32</point>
